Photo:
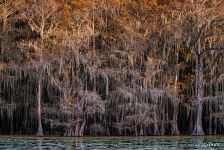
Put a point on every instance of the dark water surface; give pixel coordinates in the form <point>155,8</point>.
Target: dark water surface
<point>112,143</point>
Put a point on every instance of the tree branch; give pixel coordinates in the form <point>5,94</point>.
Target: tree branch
<point>202,28</point>
<point>207,52</point>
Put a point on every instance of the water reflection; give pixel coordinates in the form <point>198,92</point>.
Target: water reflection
<point>113,143</point>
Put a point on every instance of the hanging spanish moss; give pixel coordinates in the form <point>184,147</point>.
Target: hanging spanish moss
<point>111,68</point>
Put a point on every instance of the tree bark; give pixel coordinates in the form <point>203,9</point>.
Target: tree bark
<point>155,127</point>
<point>2,45</point>
<point>11,125</point>
<point>69,132</point>
<point>199,94</point>
<point>176,74</point>
<point>40,129</point>
<point>81,131</point>
<point>175,130</point>
<point>4,42</point>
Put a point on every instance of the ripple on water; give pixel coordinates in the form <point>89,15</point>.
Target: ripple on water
<point>111,143</point>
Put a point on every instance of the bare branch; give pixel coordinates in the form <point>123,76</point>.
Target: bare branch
<point>214,49</point>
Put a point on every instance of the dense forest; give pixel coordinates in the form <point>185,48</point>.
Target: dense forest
<point>112,67</point>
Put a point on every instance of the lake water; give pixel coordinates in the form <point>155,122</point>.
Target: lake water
<point>112,143</point>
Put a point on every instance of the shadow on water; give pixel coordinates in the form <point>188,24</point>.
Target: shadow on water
<point>95,143</point>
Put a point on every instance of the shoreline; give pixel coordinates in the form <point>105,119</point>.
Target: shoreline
<point>151,136</point>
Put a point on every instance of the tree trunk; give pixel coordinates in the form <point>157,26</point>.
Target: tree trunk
<point>77,129</point>
<point>155,127</point>
<point>11,125</point>
<point>4,43</point>
<point>69,132</point>
<point>107,85</point>
<point>81,132</point>
<point>175,130</point>
<point>3,36</point>
<point>176,74</point>
<point>93,28</point>
<point>199,94</point>
<point>40,129</point>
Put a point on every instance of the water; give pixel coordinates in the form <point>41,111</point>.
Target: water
<point>111,143</point>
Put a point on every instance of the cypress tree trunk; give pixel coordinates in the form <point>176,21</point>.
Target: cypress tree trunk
<point>199,94</point>
<point>40,129</point>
